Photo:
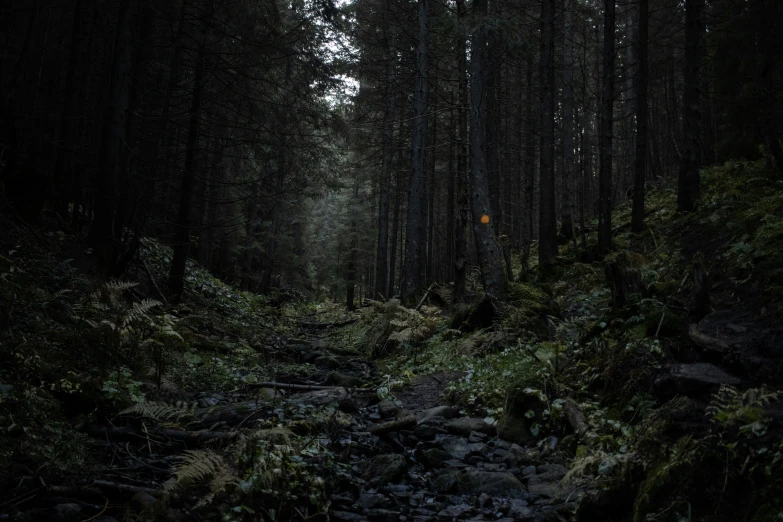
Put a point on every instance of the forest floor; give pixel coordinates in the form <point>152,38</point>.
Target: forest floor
<point>614,390</point>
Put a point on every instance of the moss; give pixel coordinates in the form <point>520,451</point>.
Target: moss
<point>671,326</point>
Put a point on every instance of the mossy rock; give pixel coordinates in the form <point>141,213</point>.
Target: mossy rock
<point>472,318</point>
<point>524,416</point>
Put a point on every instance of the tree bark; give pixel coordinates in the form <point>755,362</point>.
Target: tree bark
<point>487,248</point>
<point>640,161</point>
<point>607,120</point>
<point>415,232</point>
<point>107,227</point>
<point>182,236</point>
<point>547,224</point>
<point>688,191</point>
<point>567,225</point>
<point>460,239</point>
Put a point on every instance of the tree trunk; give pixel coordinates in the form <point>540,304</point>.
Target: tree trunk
<point>460,239</point>
<point>688,190</point>
<point>381,265</point>
<point>607,119</point>
<point>547,224</point>
<point>487,248</point>
<point>182,236</point>
<point>451,218</point>
<point>567,225</point>
<point>530,173</point>
<point>415,226</point>
<point>640,161</point>
<point>397,204</point>
<point>350,270</point>
<point>107,226</point>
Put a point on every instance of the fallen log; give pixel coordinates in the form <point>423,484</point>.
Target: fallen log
<point>303,387</point>
<point>577,421</point>
<point>706,342</point>
<point>409,421</point>
<point>158,434</point>
<point>321,326</point>
<point>125,488</point>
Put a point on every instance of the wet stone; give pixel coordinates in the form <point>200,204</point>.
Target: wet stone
<point>346,516</point>
<point>474,481</point>
<point>371,501</point>
<point>466,425</point>
<point>457,447</point>
<point>388,409</point>
<point>454,511</point>
<point>383,468</point>
<point>528,471</point>
<point>476,437</point>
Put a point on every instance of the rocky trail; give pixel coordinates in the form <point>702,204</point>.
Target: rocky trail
<point>414,458</point>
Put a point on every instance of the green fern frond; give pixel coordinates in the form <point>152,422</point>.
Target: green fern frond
<point>161,411</point>
<point>195,466</point>
<point>139,311</point>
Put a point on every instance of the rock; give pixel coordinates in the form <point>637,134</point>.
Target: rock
<point>477,448</point>
<point>445,412</point>
<point>142,501</point>
<point>517,456</point>
<point>484,500</point>
<point>538,486</point>
<point>294,341</point>
<point>433,457</point>
<point>465,425</point>
<point>475,481</point>
<point>384,468</point>
<point>346,516</point>
<point>382,515</point>
<point>269,393</point>
<point>546,483</point>
<point>697,379</point>
<point>428,430</point>
<point>528,471</point>
<point>66,512</point>
<point>476,437</point>
<point>341,379</point>
<point>311,356</point>
<point>525,411</point>
<point>328,361</point>
<point>552,471</point>
<point>388,409</point>
<point>321,397</point>
<point>373,500</point>
<point>519,509</point>
<point>5,390</point>
<point>454,511</point>
<point>457,447</point>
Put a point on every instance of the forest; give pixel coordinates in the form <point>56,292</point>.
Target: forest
<point>391,261</point>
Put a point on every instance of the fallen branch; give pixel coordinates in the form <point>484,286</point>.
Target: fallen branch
<point>303,387</point>
<point>125,488</point>
<point>577,421</point>
<point>320,326</point>
<point>152,279</point>
<point>705,341</point>
<point>132,434</point>
<point>409,421</point>
<point>424,297</point>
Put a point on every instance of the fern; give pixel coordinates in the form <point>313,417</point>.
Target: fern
<point>196,466</point>
<point>160,411</point>
<point>730,408</point>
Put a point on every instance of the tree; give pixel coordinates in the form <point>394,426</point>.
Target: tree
<point>547,224</point>
<point>487,248</point>
<point>640,161</point>
<point>569,164</point>
<point>688,191</point>
<point>415,232</point>
<point>607,120</point>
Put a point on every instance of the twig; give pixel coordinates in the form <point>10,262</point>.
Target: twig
<point>660,323</point>
<point>99,513</point>
<point>152,279</point>
<point>424,297</point>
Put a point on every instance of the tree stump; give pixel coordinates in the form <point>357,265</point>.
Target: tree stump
<point>623,279</point>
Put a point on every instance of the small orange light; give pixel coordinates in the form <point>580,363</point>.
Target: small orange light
<point>485,219</point>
